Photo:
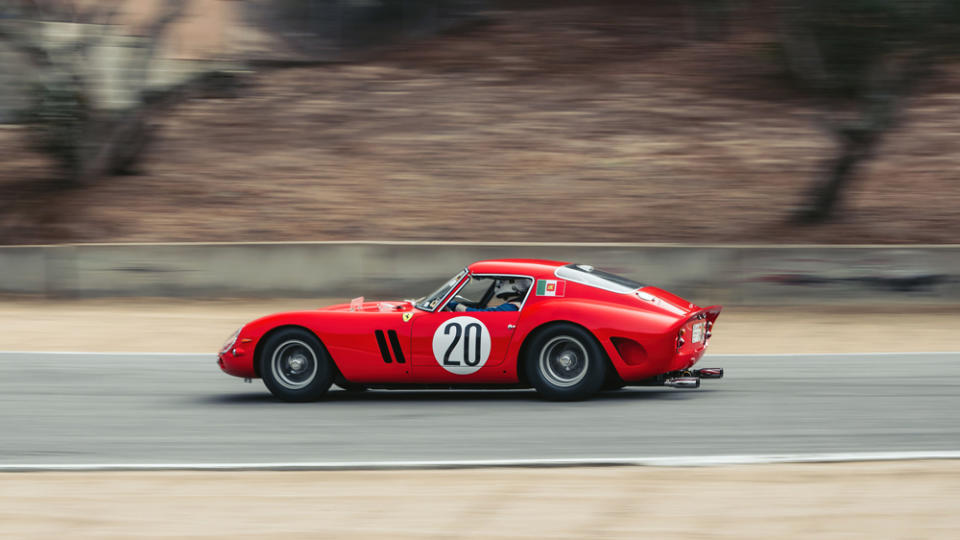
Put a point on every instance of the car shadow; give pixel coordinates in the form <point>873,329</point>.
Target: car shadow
<point>390,396</point>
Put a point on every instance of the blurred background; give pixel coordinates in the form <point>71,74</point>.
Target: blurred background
<point>794,160</point>
<point>790,121</point>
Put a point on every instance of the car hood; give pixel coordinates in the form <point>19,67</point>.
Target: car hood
<point>359,305</point>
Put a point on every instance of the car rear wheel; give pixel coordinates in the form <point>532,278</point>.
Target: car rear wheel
<point>613,381</point>
<point>564,363</point>
<point>295,366</point>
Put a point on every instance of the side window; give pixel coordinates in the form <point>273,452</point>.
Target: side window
<point>488,292</point>
<point>588,275</point>
<point>510,289</point>
<point>475,289</point>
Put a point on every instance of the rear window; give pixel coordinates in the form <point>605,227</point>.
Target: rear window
<point>588,275</point>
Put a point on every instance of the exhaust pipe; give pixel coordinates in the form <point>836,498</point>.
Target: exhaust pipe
<point>683,382</point>
<point>709,373</point>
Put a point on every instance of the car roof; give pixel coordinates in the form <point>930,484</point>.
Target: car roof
<point>537,268</point>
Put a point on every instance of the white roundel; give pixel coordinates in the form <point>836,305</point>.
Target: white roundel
<point>461,345</point>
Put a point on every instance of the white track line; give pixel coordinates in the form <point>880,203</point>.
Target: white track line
<point>679,461</point>
<point>709,356</point>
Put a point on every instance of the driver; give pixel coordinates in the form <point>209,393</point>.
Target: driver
<point>510,290</point>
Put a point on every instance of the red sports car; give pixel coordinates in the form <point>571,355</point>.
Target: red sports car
<point>567,330</point>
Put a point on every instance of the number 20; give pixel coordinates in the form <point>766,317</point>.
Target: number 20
<point>472,330</point>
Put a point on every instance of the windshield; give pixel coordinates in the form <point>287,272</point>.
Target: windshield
<point>588,275</point>
<point>427,303</point>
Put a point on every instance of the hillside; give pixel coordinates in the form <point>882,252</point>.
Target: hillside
<point>542,125</point>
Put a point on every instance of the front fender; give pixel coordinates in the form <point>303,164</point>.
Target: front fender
<point>242,359</point>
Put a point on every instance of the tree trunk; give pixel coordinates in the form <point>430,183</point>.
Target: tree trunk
<point>823,199</point>
<point>114,146</point>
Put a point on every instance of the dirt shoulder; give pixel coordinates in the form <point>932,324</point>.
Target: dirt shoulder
<point>852,501</point>
<point>148,325</point>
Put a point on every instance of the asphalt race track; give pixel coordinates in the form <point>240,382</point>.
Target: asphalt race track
<point>130,408</point>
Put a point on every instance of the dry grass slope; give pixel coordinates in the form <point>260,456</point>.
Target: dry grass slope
<point>553,124</point>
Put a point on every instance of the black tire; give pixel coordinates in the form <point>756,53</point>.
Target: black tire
<point>564,362</point>
<point>295,366</point>
<point>613,381</point>
<point>349,386</point>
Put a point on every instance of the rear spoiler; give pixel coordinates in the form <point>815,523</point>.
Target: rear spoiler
<point>712,312</point>
<point>709,313</point>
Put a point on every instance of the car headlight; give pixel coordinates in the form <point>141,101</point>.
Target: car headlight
<point>230,341</point>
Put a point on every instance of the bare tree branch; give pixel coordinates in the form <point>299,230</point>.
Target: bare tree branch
<point>102,12</point>
<point>802,52</point>
<point>22,42</point>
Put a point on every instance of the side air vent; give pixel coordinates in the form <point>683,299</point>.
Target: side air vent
<point>397,349</point>
<point>382,342</point>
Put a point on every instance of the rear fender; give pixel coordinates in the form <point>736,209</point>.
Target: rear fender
<point>603,320</point>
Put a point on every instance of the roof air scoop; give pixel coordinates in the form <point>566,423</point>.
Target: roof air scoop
<point>659,302</point>
<point>647,296</point>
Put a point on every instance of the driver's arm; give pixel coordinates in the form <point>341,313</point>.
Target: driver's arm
<point>506,306</point>
<point>509,306</point>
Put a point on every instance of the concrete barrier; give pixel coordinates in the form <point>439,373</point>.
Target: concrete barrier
<point>705,274</point>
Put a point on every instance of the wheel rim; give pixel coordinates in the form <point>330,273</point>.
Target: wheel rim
<point>563,361</point>
<point>294,364</point>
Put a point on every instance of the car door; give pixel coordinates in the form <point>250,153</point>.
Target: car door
<point>468,347</point>
<point>462,347</point>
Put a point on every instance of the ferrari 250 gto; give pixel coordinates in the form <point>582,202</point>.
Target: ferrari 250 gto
<point>567,330</point>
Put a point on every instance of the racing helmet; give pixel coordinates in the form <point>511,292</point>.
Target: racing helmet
<point>511,288</point>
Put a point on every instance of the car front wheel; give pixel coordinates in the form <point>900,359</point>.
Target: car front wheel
<point>564,363</point>
<point>295,366</point>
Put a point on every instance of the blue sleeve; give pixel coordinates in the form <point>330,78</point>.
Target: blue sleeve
<point>501,307</point>
<point>452,306</point>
